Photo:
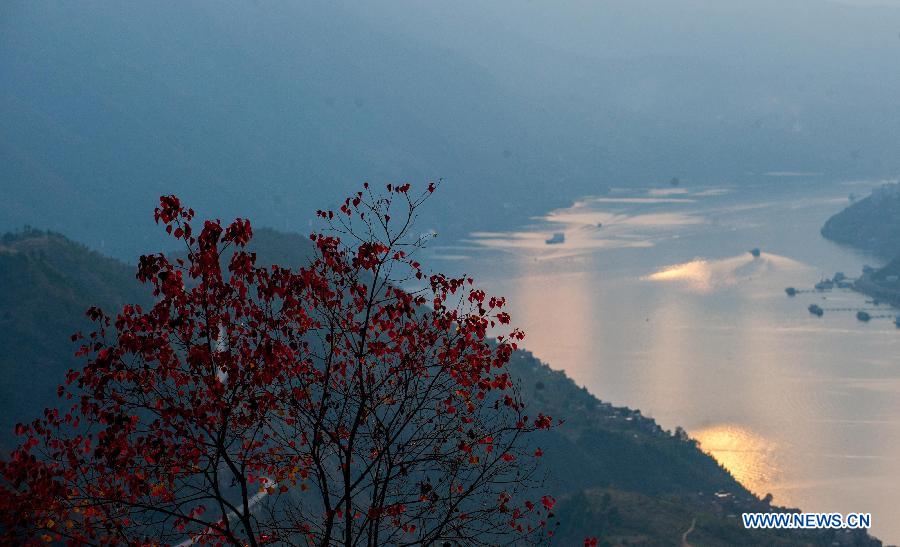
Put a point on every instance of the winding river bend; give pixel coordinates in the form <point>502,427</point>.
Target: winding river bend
<point>653,301</point>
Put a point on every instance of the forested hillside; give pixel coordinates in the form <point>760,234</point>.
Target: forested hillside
<point>871,224</point>
<point>48,282</point>
<point>615,472</point>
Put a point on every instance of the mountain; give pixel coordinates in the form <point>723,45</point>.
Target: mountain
<point>623,478</point>
<point>871,224</point>
<point>48,282</point>
<point>275,109</point>
<point>882,283</point>
<point>616,473</point>
<point>292,105</point>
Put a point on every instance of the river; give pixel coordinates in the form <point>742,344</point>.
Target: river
<point>654,302</point>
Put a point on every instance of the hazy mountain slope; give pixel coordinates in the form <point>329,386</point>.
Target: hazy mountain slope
<point>601,445</point>
<point>889,274</point>
<point>48,282</point>
<point>616,473</point>
<point>52,281</point>
<point>632,518</point>
<point>263,110</point>
<point>619,476</point>
<point>871,224</point>
<point>698,88</point>
<point>272,109</point>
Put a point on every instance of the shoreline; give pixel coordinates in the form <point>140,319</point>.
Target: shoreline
<point>866,286</point>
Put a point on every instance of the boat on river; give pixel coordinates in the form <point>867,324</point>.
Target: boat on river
<point>825,284</point>
<point>556,239</point>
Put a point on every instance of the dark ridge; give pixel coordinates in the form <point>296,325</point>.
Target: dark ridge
<point>615,472</point>
<point>871,224</point>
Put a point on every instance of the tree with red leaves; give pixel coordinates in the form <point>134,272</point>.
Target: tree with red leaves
<point>353,401</point>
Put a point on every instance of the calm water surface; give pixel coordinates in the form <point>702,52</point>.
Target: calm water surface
<point>663,309</point>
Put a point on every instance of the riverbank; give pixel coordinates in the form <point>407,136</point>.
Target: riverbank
<point>663,309</point>
<point>869,287</point>
<point>871,225</point>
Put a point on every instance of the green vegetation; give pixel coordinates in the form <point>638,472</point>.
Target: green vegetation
<point>617,474</point>
<point>630,482</point>
<point>48,283</point>
<point>600,445</point>
<point>632,518</point>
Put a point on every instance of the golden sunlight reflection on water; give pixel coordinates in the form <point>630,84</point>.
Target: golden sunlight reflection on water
<point>748,456</point>
<point>696,273</point>
<point>660,306</point>
<point>702,275</point>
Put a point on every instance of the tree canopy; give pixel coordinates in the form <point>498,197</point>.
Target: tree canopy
<point>355,401</point>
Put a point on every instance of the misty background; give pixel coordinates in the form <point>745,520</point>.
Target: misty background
<point>271,110</point>
<point>560,121</point>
